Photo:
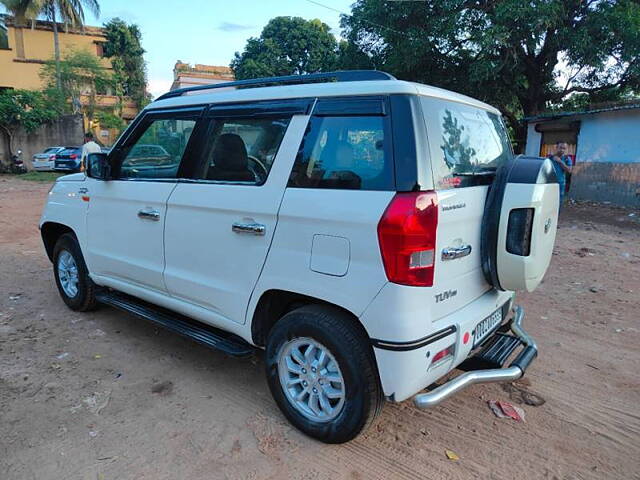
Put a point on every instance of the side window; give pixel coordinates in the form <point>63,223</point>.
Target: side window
<point>467,143</point>
<point>345,152</point>
<point>158,152</point>
<point>242,149</point>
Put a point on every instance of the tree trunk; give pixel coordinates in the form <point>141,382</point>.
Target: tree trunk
<point>6,163</point>
<point>56,48</point>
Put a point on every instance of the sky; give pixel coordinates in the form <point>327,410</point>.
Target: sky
<point>206,32</point>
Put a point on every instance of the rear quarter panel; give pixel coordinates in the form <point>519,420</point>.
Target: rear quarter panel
<point>354,273</point>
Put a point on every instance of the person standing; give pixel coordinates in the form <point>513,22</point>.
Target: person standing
<point>562,164</point>
<point>90,146</point>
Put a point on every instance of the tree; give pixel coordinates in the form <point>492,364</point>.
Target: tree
<point>23,108</point>
<point>124,48</point>
<point>520,56</point>
<point>287,46</point>
<point>78,73</point>
<point>71,12</point>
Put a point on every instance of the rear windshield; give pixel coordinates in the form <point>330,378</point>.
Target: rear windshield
<point>467,143</point>
<point>69,151</point>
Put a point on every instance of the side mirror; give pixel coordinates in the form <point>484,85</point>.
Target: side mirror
<point>98,166</point>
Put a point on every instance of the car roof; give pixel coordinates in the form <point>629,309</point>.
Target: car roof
<point>329,89</point>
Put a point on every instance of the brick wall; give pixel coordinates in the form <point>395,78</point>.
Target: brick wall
<point>618,183</point>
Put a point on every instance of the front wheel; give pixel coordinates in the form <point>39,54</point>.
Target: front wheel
<point>322,374</point>
<point>72,278</point>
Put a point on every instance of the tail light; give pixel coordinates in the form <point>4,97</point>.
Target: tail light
<point>407,237</point>
<point>52,157</point>
<point>73,156</point>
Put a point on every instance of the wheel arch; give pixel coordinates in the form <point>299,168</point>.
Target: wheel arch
<point>275,303</point>
<point>51,232</point>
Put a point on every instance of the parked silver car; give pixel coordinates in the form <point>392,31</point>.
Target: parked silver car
<point>45,160</point>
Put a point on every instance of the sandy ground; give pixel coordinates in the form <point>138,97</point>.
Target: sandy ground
<point>107,396</point>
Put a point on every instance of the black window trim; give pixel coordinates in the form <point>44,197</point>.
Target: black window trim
<point>244,110</point>
<point>353,106</point>
<point>140,125</point>
<point>261,108</point>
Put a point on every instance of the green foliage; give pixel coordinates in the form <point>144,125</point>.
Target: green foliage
<point>519,56</point>
<point>110,120</point>
<point>81,74</point>
<point>287,46</point>
<point>124,47</point>
<point>24,108</point>
<point>41,176</point>
<point>71,12</point>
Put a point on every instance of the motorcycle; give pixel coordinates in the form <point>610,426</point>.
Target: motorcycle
<point>17,165</point>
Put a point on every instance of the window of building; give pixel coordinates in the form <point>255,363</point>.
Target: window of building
<point>4,37</point>
<point>99,49</point>
<point>242,149</point>
<point>344,153</point>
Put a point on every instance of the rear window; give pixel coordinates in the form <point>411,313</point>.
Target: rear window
<point>69,151</point>
<point>345,152</point>
<point>467,143</point>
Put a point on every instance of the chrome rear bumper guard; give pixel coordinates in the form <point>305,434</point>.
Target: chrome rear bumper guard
<point>513,372</point>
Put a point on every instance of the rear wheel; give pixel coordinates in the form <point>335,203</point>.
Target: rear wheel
<point>72,278</point>
<point>322,373</point>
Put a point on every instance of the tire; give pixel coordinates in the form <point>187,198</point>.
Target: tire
<point>348,355</point>
<point>66,255</point>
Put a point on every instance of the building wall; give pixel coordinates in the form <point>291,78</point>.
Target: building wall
<point>67,131</point>
<point>38,47</point>
<point>534,138</point>
<point>610,137</point>
<point>608,157</point>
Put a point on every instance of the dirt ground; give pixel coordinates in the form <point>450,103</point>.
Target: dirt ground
<point>107,396</point>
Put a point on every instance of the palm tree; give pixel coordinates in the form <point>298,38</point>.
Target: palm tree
<point>22,11</point>
<point>71,12</point>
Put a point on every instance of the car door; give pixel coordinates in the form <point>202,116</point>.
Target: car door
<point>126,215</point>
<point>220,224</point>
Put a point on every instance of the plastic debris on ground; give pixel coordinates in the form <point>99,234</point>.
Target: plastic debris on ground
<point>451,455</point>
<point>506,410</point>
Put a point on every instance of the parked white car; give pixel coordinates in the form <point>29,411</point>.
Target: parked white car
<point>45,160</point>
<point>368,233</point>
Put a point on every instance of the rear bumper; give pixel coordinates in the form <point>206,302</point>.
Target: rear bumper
<point>514,371</point>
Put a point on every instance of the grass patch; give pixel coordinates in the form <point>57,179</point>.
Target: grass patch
<point>39,176</point>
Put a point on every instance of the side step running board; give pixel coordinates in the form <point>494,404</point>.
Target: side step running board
<point>185,326</point>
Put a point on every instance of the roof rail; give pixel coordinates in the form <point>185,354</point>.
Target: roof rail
<point>339,76</point>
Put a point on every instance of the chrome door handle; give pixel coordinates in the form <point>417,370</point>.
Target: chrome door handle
<point>451,253</point>
<point>149,214</point>
<point>251,228</point>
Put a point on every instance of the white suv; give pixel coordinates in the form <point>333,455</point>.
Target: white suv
<point>368,233</point>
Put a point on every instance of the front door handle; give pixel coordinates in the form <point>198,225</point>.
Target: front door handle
<point>149,214</point>
<point>451,253</point>
<point>251,228</point>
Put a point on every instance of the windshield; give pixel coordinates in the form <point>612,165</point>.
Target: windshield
<point>465,142</point>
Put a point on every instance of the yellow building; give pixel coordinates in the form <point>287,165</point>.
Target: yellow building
<point>23,52</point>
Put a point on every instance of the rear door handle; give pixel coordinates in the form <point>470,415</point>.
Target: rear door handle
<point>451,253</point>
<point>149,214</point>
<point>250,228</point>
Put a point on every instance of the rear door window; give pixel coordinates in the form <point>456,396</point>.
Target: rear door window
<point>242,150</point>
<point>345,152</point>
<point>467,143</point>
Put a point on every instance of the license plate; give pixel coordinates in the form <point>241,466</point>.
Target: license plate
<point>486,327</point>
